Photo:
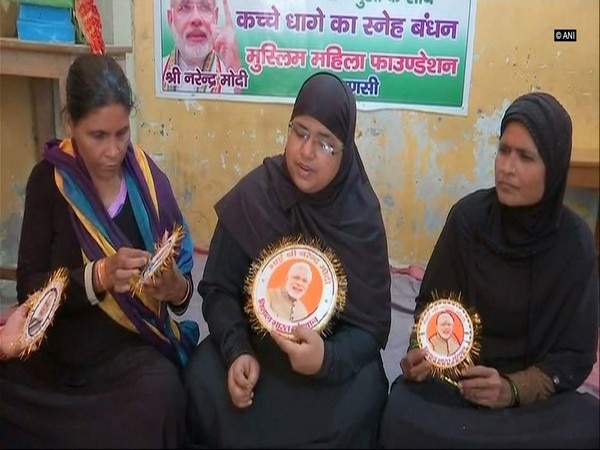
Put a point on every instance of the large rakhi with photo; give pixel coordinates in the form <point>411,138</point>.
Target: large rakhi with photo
<point>450,333</point>
<point>295,282</point>
<point>43,305</point>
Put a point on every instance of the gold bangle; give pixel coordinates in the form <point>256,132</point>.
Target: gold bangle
<point>188,289</point>
<point>100,274</point>
<point>516,401</point>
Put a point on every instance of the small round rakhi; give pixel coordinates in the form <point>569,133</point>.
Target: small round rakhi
<point>43,305</point>
<point>165,252</point>
<point>296,282</point>
<point>450,334</point>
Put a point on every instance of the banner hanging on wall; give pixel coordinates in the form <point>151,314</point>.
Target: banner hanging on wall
<point>394,54</point>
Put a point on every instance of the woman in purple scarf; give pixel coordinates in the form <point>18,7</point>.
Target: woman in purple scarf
<point>107,374</point>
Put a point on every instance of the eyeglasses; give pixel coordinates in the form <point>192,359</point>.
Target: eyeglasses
<point>303,134</point>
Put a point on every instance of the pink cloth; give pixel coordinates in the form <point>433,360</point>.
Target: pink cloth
<point>119,201</point>
<point>413,270</point>
<point>592,382</point>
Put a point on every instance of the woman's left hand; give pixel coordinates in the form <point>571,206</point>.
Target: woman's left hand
<point>169,286</point>
<point>306,350</point>
<point>484,386</point>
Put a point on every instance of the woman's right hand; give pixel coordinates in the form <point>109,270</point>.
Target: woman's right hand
<point>118,269</point>
<point>10,333</point>
<point>415,366</point>
<point>241,379</point>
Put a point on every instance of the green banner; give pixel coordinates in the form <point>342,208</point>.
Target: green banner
<point>401,54</point>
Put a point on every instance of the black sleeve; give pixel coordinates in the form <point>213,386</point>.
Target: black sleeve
<point>46,241</point>
<point>222,292</point>
<point>347,350</point>
<point>571,359</point>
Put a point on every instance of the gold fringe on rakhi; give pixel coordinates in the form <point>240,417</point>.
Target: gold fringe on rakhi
<point>283,245</point>
<point>449,368</point>
<point>165,252</point>
<point>42,306</point>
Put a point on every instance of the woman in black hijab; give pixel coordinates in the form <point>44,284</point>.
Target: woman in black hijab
<point>526,264</point>
<point>248,390</point>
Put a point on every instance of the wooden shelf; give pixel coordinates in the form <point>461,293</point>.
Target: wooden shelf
<point>46,64</point>
<point>584,174</point>
<point>52,47</point>
<point>46,60</point>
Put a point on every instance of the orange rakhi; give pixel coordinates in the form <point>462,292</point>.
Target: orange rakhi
<point>90,24</point>
<point>451,334</point>
<point>296,281</point>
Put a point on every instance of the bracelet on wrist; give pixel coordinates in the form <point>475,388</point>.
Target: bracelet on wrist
<point>100,267</point>
<point>516,401</point>
<point>514,392</point>
<point>188,292</point>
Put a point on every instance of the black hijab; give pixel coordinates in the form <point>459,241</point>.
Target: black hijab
<point>527,230</point>
<point>535,287</point>
<point>266,206</point>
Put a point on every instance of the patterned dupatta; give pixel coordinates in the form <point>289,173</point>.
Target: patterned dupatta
<point>155,210</point>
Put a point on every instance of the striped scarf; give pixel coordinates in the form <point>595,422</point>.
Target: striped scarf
<point>155,210</point>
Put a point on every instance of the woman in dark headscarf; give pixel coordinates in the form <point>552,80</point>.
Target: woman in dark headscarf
<point>251,391</point>
<point>526,264</point>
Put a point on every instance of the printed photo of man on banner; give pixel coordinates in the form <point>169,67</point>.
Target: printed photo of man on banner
<point>204,54</point>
